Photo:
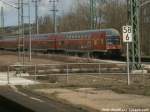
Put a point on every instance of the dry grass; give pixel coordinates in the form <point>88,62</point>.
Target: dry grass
<point>117,83</point>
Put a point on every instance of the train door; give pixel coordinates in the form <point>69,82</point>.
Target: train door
<point>59,42</point>
<point>51,42</point>
<point>98,41</point>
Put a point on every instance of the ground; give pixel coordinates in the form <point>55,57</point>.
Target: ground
<point>89,91</point>
<point>99,99</point>
<point>12,59</point>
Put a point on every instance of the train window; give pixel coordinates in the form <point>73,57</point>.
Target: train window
<point>89,36</point>
<point>82,35</point>
<point>68,36</point>
<point>65,35</point>
<point>75,36</point>
<point>86,36</point>
<point>78,36</point>
<point>113,40</point>
<point>72,36</point>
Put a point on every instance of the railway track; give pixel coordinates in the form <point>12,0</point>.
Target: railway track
<point>122,58</point>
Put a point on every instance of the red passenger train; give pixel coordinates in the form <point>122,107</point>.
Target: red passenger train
<point>95,42</point>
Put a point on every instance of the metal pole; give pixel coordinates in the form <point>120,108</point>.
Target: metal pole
<point>128,64</point>
<point>30,33</point>
<point>19,31</point>
<point>35,71</point>
<point>22,28</point>
<point>67,73</point>
<point>2,19</point>
<point>99,66</point>
<point>36,15</point>
<point>138,33</point>
<point>133,17</point>
<point>54,10</point>
<point>8,78</point>
<point>93,15</point>
<point>54,16</point>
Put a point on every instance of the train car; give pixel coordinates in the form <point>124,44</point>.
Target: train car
<point>95,42</point>
<point>8,43</point>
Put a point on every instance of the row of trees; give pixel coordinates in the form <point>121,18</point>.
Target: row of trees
<point>145,29</point>
<point>110,14</point>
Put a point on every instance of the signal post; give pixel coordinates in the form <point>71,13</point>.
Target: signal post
<point>127,38</point>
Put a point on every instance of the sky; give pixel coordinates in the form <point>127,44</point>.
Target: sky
<point>10,13</point>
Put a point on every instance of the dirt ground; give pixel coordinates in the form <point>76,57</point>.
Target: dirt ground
<point>12,59</point>
<point>99,99</point>
<point>101,92</point>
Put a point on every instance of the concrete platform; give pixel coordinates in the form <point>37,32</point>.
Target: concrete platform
<point>35,102</point>
<point>15,79</point>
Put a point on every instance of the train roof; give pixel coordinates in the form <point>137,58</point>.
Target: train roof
<point>6,37</point>
<point>110,31</point>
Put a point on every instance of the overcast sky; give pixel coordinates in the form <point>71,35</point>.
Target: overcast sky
<point>11,13</point>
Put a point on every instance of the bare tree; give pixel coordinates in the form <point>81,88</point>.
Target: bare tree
<point>77,19</point>
<point>115,14</point>
<point>46,25</point>
<point>144,29</point>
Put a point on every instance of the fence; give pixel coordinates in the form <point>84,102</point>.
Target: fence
<point>66,71</point>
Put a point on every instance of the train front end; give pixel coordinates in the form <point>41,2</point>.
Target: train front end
<point>113,43</point>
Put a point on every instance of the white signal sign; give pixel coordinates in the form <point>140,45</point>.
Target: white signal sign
<point>127,33</point>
